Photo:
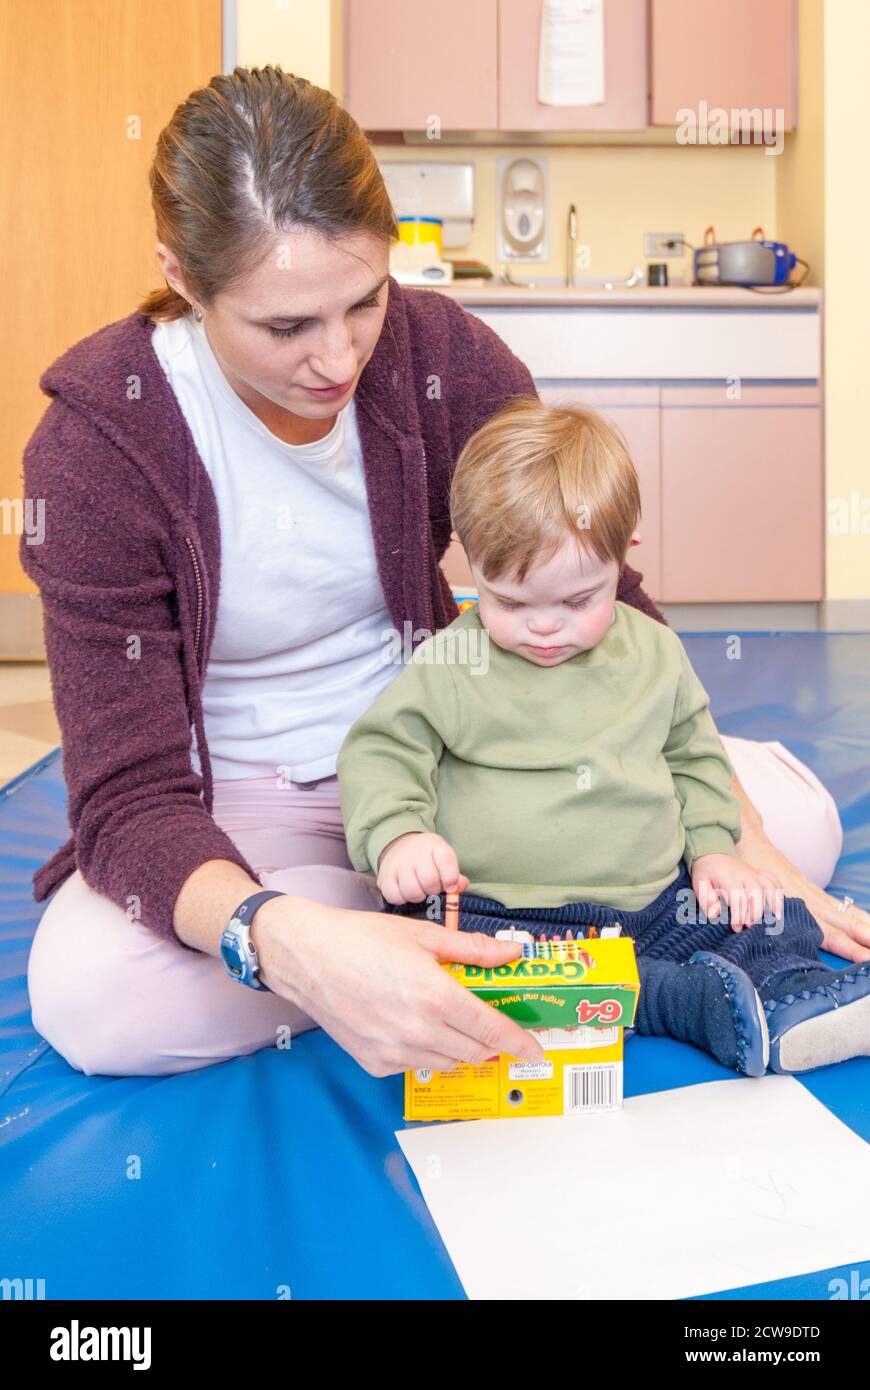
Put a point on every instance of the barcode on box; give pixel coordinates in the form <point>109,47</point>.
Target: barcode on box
<point>592,1087</point>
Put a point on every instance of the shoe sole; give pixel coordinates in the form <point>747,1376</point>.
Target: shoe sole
<point>765,1036</point>
<point>832,1036</point>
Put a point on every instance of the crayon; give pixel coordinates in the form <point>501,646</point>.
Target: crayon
<point>451,911</point>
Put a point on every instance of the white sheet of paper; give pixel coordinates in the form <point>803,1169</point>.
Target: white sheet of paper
<point>684,1192</point>
<point>571,53</point>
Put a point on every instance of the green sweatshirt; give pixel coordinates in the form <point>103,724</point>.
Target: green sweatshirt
<point>583,782</point>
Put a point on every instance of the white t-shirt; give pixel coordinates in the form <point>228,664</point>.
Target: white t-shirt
<point>299,648</point>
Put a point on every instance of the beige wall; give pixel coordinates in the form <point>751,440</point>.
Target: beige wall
<point>303,36</point>
<point>620,192</point>
<point>847,292</point>
<point>800,169</point>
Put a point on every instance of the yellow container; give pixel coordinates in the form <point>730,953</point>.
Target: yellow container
<point>577,1003</point>
<point>416,230</point>
<point>581,1073</point>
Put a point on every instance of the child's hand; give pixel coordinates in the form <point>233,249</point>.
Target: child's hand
<point>417,864</point>
<point>749,892</point>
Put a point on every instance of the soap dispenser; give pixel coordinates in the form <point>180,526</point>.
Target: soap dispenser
<point>521,203</point>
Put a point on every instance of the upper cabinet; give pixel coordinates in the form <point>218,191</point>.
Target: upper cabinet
<point>475,66</point>
<point>401,70</point>
<point>625,105</point>
<point>736,56</point>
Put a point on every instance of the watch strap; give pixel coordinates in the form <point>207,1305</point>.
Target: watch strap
<point>245,911</point>
<point>247,971</point>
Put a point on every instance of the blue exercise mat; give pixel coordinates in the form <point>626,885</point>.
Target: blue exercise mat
<point>330,1208</point>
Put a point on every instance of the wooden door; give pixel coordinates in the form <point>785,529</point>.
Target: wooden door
<point>86,87</point>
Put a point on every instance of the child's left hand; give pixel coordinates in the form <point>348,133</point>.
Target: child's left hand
<point>749,892</point>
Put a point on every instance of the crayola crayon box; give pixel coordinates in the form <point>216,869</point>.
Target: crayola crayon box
<point>577,1001</point>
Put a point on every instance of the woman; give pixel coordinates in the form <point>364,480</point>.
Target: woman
<point>245,486</point>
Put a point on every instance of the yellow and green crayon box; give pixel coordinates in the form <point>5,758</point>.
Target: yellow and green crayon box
<point>577,1005</point>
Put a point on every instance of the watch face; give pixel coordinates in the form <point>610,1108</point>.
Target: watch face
<point>232,956</point>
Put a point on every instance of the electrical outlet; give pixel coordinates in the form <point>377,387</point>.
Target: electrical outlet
<point>655,244</point>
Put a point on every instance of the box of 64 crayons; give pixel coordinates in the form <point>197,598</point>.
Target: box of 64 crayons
<point>577,997</point>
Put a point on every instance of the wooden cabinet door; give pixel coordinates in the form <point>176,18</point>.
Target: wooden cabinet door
<point>742,54</point>
<point>635,412</point>
<point>625,105</point>
<point>405,64</point>
<point>742,495</point>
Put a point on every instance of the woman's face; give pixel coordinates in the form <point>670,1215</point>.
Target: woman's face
<point>308,318</point>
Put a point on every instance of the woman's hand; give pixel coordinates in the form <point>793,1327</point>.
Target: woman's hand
<point>845,933</point>
<point>417,865</point>
<point>375,983</point>
<point>750,893</point>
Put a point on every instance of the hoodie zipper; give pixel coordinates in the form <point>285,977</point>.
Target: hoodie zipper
<point>427,540</point>
<point>192,549</point>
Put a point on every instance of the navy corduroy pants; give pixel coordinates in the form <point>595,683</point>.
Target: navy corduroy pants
<point>778,955</point>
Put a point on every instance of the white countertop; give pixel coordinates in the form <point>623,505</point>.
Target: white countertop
<point>492,293</point>
<point>673,333</point>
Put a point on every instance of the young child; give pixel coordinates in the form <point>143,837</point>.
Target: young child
<point>551,755</point>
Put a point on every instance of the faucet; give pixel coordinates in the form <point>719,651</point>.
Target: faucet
<point>635,278</point>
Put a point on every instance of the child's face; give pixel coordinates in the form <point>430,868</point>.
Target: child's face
<point>563,607</point>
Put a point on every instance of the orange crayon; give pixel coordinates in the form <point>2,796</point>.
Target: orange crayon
<point>451,911</point>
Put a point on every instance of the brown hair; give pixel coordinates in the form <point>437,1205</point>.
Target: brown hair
<point>536,473</point>
<point>245,158</point>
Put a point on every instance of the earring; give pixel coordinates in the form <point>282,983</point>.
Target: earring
<point>197,315</point>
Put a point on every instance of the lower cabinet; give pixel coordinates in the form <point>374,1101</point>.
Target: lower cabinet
<point>732,489</point>
<point>742,495</point>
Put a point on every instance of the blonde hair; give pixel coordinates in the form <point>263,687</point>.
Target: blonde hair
<point>256,152</point>
<point>536,473</point>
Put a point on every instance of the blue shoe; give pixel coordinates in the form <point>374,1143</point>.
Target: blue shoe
<point>747,1014</point>
<point>707,1002</point>
<point>818,1026</point>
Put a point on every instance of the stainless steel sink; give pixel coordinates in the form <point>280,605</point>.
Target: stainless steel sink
<point>636,279</point>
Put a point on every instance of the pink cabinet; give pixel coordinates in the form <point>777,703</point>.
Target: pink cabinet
<point>405,64</point>
<point>625,71</point>
<point>474,66</point>
<point>732,491</point>
<point>742,495</point>
<point>635,412</point>
<point>741,54</point>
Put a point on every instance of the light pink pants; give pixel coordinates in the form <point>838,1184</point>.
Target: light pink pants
<point>115,999</point>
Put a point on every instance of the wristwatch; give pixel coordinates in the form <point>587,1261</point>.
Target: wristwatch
<point>238,952</point>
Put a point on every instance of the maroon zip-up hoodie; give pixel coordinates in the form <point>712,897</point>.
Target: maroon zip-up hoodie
<point>129,571</point>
